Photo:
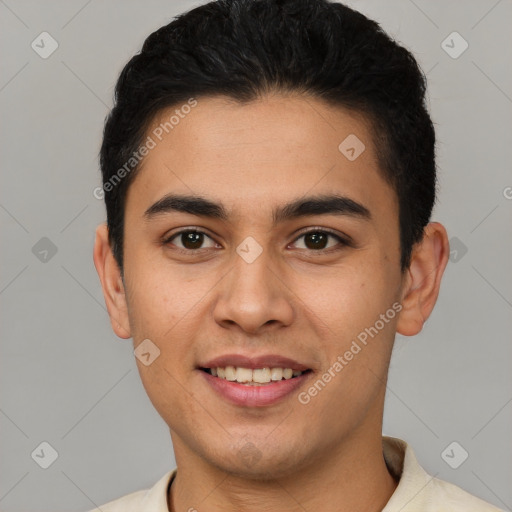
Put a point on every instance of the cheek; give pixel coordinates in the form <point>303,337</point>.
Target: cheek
<point>346,301</point>
<point>157,300</point>
<point>165,389</point>
<point>356,322</point>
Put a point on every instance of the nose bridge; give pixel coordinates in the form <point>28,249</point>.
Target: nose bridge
<point>253,269</point>
<point>252,295</point>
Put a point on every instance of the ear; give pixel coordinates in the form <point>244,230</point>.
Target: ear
<point>111,282</point>
<point>422,279</point>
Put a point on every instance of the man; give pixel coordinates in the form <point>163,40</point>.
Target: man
<point>269,176</point>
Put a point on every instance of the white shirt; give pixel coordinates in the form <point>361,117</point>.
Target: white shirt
<point>417,491</point>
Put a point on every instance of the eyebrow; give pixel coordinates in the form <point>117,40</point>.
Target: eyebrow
<point>327,204</point>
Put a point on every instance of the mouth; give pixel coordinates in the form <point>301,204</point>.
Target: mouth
<point>254,377</point>
<point>254,381</point>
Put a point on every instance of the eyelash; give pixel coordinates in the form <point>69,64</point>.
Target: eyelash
<point>343,241</point>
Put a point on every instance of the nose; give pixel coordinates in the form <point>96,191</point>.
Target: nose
<point>254,296</point>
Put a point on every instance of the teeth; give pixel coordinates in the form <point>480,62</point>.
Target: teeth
<point>262,376</point>
<point>243,375</point>
<point>276,373</point>
<point>256,376</point>
<point>230,372</point>
<point>287,373</point>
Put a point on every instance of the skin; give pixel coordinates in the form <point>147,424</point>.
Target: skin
<point>294,300</point>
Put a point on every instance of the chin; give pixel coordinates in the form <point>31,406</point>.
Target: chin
<point>251,463</point>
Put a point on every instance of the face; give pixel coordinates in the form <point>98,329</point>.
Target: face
<point>292,260</point>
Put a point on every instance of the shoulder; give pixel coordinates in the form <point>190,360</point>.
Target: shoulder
<point>129,503</point>
<point>149,500</point>
<point>418,491</point>
<point>446,496</point>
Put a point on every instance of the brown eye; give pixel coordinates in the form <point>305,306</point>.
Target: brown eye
<point>318,240</point>
<point>190,240</point>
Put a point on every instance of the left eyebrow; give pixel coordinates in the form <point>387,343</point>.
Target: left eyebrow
<point>307,206</point>
<point>321,205</point>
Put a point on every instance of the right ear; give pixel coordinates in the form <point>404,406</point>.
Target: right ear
<point>111,282</point>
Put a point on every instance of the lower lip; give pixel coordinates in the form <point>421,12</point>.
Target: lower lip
<point>254,396</point>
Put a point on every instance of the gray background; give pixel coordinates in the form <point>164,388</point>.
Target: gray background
<point>67,380</point>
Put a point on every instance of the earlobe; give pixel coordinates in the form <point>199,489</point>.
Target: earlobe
<point>423,279</point>
<point>111,283</point>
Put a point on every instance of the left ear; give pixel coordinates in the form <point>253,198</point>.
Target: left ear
<point>423,279</point>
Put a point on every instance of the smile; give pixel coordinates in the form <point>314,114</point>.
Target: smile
<point>253,377</point>
<point>249,392</point>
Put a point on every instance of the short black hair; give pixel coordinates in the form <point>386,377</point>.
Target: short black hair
<point>244,49</point>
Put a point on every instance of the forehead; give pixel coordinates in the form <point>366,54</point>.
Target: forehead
<point>270,150</point>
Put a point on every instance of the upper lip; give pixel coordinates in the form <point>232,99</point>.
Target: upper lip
<point>253,362</point>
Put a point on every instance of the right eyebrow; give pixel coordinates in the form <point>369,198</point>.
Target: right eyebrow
<point>194,205</point>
